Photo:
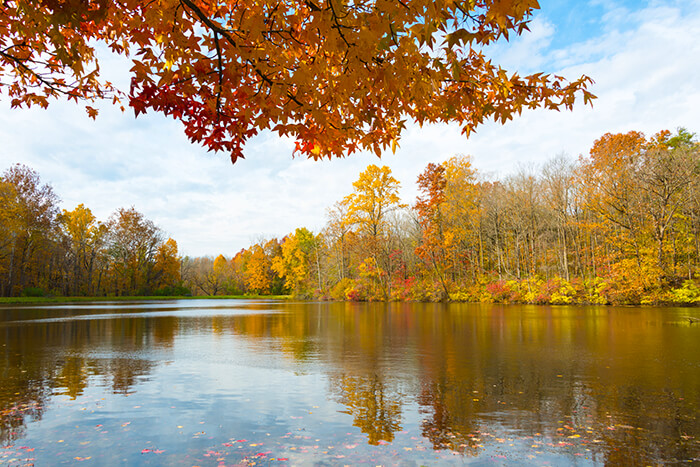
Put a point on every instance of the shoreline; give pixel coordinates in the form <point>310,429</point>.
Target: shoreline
<point>41,300</point>
<point>60,300</point>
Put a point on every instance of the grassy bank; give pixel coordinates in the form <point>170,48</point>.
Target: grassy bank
<point>40,300</point>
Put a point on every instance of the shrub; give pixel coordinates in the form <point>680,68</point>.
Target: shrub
<point>174,291</point>
<point>340,290</point>
<point>33,292</point>
<point>688,294</point>
<point>563,292</point>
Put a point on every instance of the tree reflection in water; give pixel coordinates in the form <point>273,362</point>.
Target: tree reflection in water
<point>619,384</point>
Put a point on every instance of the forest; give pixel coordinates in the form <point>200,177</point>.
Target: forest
<point>620,225</point>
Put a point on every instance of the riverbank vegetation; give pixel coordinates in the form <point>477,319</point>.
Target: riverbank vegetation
<point>618,226</point>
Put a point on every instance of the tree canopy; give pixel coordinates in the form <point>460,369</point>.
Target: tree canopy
<point>336,75</point>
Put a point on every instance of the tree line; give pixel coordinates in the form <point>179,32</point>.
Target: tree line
<point>45,250</point>
<point>619,225</point>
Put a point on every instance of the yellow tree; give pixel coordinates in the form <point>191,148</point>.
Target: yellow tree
<point>31,210</point>
<point>9,230</point>
<point>462,216</point>
<point>86,238</point>
<point>338,76</point>
<point>298,261</point>
<point>258,271</point>
<point>167,266</point>
<point>375,197</point>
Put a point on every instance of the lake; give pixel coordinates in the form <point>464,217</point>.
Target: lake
<point>255,382</point>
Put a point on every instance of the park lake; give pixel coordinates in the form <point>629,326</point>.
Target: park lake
<point>261,382</point>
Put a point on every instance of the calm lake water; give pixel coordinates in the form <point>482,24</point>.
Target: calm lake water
<point>250,382</point>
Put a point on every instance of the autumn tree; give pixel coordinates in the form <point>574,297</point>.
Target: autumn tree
<point>299,262</point>
<point>87,240</point>
<point>375,195</point>
<point>167,269</point>
<point>429,206</point>
<point>258,272</point>
<point>374,198</point>
<point>337,76</point>
<point>671,164</point>
<point>611,177</point>
<point>29,210</point>
<point>134,242</point>
<point>462,215</point>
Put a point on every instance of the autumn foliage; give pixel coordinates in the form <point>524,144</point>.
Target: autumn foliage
<point>337,76</point>
<point>620,225</point>
<point>46,251</point>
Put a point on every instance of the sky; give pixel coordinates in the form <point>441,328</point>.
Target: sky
<point>644,57</point>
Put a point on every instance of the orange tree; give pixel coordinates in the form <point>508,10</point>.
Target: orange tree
<point>337,75</point>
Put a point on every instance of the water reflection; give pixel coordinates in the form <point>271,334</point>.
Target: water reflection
<point>620,386</point>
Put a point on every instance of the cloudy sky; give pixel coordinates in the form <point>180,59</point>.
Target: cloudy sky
<point>643,55</point>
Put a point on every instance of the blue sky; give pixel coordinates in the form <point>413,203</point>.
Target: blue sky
<point>643,57</point>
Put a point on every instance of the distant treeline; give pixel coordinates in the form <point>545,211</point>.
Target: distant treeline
<point>46,251</point>
<point>621,225</point>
